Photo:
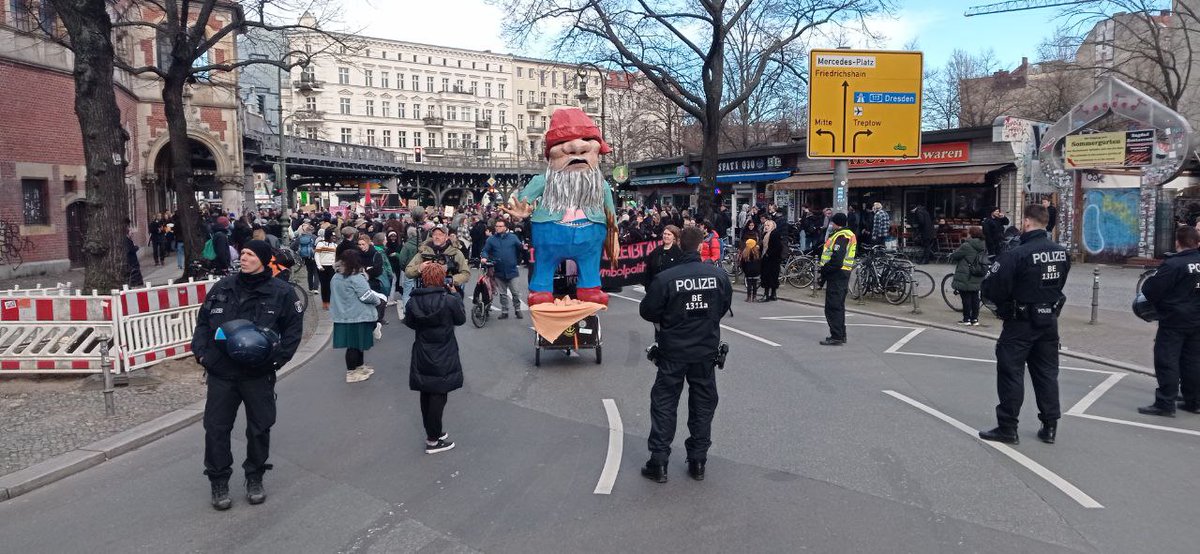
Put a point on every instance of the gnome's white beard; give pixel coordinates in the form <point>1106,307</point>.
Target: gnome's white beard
<point>567,190</point>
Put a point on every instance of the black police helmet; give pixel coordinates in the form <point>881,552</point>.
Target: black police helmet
<point>1144,308</point>
<point>246,343</point>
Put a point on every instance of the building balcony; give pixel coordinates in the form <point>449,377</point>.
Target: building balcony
<point>308,84</point>
<point>535,106</point>
<point>436,152</point>
<point>483,124</point>
<point>456,92</point>
<point>535,130</point>
<point>434,122</point>
<point>309,115</point>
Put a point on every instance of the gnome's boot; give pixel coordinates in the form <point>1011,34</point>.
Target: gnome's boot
<point>592,294</point>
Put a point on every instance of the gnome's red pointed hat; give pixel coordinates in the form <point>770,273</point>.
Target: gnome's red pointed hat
<point>567,124</point>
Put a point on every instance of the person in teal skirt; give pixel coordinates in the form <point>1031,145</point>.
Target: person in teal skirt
<point>352,308</point>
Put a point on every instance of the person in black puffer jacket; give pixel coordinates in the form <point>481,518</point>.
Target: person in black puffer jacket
<point>433,312</point>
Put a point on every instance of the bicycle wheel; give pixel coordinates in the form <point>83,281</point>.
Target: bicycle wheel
<point>896,288</point>
<point>858,283</point>
<point>301,295</point>
<point>923,283</point>
<point>801,272</point>
<point>479,314</point>
<point>951,296</point>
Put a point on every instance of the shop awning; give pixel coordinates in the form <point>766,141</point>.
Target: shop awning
<point>745,177</point>
<point>656,180</point>
<point>955,175</point>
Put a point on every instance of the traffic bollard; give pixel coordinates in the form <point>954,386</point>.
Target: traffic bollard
<point>813,286</point>
<point>110,409</point>
<point>915,298</point>
<point>1095,296</point>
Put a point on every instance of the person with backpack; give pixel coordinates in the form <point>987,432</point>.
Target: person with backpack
<point>972,265</point>
<point>306,246</point>
<point>216,250</point>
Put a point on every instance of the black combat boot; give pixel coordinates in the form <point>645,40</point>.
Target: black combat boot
<point>220,496</point>
<point>1048,432</point>
<point>655,471</point>
<point>696,469</point>
<point>1001,434</point>
<point>1155,409</point>
<point>254,490</point>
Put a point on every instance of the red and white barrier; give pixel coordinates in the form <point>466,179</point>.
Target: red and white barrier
<point>60,332</point>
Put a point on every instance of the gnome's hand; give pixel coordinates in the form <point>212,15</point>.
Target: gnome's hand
<point>518,209</point>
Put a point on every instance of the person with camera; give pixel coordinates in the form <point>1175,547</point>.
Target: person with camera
<point>248,327</point>
<point>1174,290</point>
<point>438,249</point>
<point>1024,287</point>
<point>685,303</point>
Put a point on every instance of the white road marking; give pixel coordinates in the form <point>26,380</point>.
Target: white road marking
<point>616,443</point>
<point>903,341</point>
<point>723,326</point>
<point>1091,398</point>
<point>1054,479</point>
<point>1139,424</point>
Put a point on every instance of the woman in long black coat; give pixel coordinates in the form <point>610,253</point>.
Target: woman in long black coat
<point>664,256</point>
<point>772,249</point>
<point>433,311</point>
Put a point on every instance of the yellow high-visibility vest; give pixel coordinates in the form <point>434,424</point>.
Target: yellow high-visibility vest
<point>851,248</point>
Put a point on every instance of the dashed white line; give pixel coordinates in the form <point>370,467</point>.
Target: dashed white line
<point>616,444</point>
<point>903,341</point>
<point>1053,478</point>
<point>1095,394</point>
<point>1139,424</point>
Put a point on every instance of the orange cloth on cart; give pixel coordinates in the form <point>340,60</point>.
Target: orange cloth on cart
<point>551,319</point>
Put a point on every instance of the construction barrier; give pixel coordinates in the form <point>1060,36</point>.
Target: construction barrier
<point>59,331</point>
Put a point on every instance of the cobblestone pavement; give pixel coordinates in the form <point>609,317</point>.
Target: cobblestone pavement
<point>46,416</point>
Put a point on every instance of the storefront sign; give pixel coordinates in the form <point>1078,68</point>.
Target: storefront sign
<point>750,164</point>
<point>1118,149</point>
<point>942,153</point>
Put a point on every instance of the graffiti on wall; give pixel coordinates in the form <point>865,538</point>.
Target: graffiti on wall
<point>1111,228</point>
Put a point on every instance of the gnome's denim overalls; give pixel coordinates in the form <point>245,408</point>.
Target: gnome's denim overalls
<point>579,238</point>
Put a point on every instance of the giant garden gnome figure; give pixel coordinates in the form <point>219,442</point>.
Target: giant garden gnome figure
<point>571,205</point>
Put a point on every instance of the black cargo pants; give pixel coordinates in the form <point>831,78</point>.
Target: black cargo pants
<point>1022,344</point>
<point>220,411</point>
<point>1176,363</point>
<point>664,404</point>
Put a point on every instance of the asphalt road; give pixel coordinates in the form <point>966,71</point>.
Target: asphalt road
<point>851,449</point>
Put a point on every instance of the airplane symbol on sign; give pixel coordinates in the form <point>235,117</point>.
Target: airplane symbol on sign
<point>858,111</point>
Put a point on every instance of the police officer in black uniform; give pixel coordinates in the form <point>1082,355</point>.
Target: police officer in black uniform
<point>269,303</point>
<point>685,303</point>
<point>1175,292</point>
<point>1024,288</point>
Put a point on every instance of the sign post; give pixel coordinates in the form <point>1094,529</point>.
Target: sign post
<point>863,104</point>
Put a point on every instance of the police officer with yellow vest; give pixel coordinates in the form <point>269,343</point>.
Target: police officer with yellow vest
<point>837,259</point>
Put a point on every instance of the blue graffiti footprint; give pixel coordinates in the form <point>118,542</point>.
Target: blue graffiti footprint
<point>1093,237</point>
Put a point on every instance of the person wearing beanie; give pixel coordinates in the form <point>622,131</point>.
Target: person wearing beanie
<point>272,306</point>
<point>751,262</point>
<point>837,260</point>
<point>222,263</point>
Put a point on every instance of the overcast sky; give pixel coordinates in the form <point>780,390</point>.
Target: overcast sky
<point>938,26</point>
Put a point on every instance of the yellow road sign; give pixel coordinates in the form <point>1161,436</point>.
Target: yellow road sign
<point>864,104</point>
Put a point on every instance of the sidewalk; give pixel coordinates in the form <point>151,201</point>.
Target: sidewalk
<point>1119,338</point>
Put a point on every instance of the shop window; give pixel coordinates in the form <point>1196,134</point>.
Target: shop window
<point>35,202</point>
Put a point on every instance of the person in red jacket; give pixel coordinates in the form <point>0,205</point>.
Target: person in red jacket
<point>710,247</point>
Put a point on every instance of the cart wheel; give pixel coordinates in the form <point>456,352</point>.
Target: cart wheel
<point>598,357</point>
<point>537,357</point>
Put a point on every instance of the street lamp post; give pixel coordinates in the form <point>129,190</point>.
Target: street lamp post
<point>582,73</point>
<point>516,138</point>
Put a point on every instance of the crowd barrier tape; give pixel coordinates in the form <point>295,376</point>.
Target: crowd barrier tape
<point>60,331</point>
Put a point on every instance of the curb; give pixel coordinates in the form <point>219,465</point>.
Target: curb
<point>64,465</point>
<point>1126,366</point>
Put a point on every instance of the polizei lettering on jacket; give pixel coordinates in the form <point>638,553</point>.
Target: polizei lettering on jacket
<point>1049,262</point>
<point>1051,256</point>
<point>696,283</point>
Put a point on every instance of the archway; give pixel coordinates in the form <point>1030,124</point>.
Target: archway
<point>160,195</point>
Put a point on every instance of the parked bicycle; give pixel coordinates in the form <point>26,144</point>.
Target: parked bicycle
<point>882,272</point>
<point>801,271</point>
<point>731,259</point>
<point>481,298</point>
<point>950,294</point>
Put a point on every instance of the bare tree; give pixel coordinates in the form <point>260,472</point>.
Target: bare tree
<point>185,32</point>
<point>681,46</point>
<point>967,91</point>
<point>89,35</point>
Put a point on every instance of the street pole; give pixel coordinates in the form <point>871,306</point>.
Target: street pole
<point>841,177</point>
<point>285,203</point>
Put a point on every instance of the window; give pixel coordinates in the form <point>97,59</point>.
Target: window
<point>474,88</point>
<point>488,143</point>
<point>370,137</point>
<point>459,63</point>
<point>487,90</point>
<point>466,114</point>
<point>69,185</point>
<point>414,58</point>
<point>503,143</point>
<point>310,103</point>
<point>445,84</point>
<point>343,75</point>
<point>467,142</point>
<point>20,10</point>
<point>500,90</point>
<point>429,84</point>
<point>385,108</point>
<point>452,140</point>
<point>520,96</point>
<point>501,70</point>
<point>416,139</point>
<point>472,65</point>
<point>310,132</point>
<point>432,139</point>
<point>344,106</point>
<point>543,122</point>
<point>458,86</point>
<point>503,117</point>
<point>519,71</point>
<point>383,79</point>
<point>383,55</point>
<point>451,113</point>
<point>416,82</point>
<point>387,139</point>
<point>308,73</point>
<point>34,199</point>
<point>416,111</point>
<point>400,110</point>
<point>400,81</point>
<point>553,79</point>
<point>402,139</point>
<point>368,77</point>
<point>520,121</point>
<point>554,98</point>
<point>368,52</point>
<point>533,146</point>
<point>262,103</point>
<point>370,108</point>
<point>543,96</point>
<point>346,135</point>
<point>542,78</point>
<point>487,115</point>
